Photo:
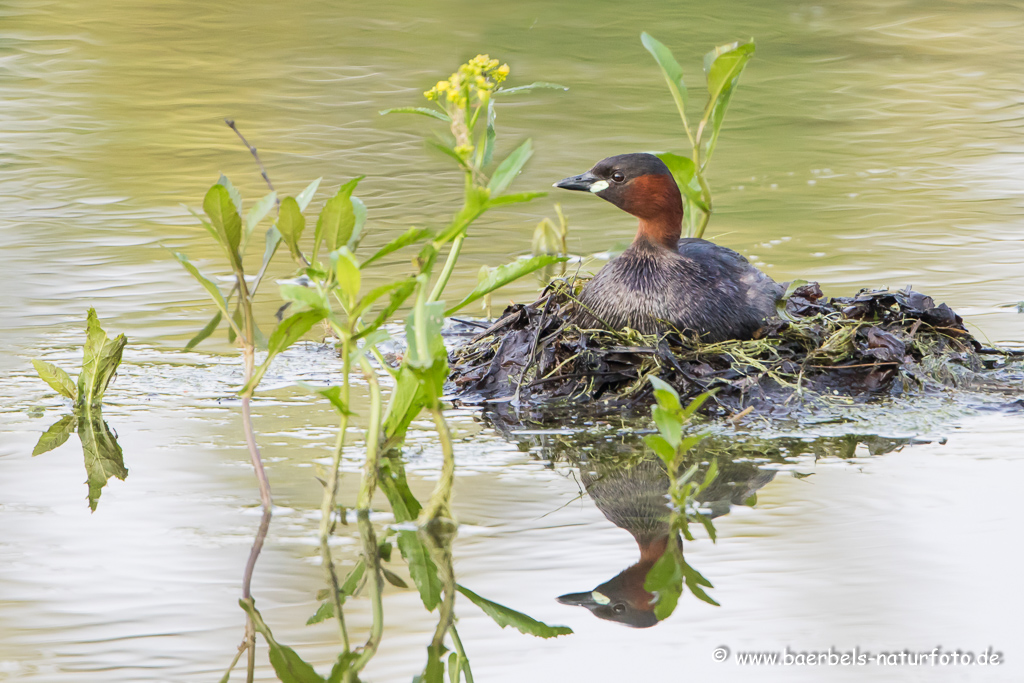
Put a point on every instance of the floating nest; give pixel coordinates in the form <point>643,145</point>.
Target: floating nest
<point>876,342</point>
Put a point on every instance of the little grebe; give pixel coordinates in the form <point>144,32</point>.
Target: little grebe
<point>661,281</point>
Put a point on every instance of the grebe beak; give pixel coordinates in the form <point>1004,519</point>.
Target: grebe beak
<point>583,181</point>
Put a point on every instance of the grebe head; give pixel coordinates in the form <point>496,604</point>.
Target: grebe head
<point>640,184</point>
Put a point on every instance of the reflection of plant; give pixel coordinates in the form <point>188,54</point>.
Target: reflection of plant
<point>723,67</point>
<point>103,457</point>
<point>668,575</point>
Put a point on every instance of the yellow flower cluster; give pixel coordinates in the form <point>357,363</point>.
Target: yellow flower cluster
<point>477,78</point>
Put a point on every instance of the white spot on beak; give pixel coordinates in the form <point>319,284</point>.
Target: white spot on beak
<point>601,598</point>
<point>599,186</point>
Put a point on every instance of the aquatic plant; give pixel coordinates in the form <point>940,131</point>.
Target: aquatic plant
<point>671,571</point>
<point>722,66</point>
<point>101,357</point>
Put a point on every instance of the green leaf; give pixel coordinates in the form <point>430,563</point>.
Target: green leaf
<point>423,111</point>
<point>346,269</point>
<point>670,69</point>
<point>256,214</point>
<point>503,275</point>
<point>236,197</point>
<point>509,168</point>
<point>99,362</point>
<point>683,172</point>
<point>475,204</point>
<point>689,442</point>
<point>694,581</point>
<point>665,394</point>
<point>423,335</point>
<point>306,196</point>
<point>359,209</point>
<point>337,219</point>
<point>666,579</point>
<point>406,402</point>
<point>393,578</point>
<point>207,330</point>
<point>291,223</point>
<point>103,457</point>
<point>310,297</point>
<point>210,287</point>
<point>401,291</point>
<point>696,403</point>
<point>289,331</point>
<point>490,135</point>
<point>668,425</point>
<point>709,527</point>
<point>515,198</point>
<point>504,616</point>
<point>271,243</point>
<point>288,665</point>
<point>56,435</point>
<point>410,236</point>
<point>661,447</point>
<point>447,151</point>
<point>347,588</point>
<point>226,223</point>
<point>421,568</point>
<point>58,380</point>
<point>532,86</point>
<point>726,64</point>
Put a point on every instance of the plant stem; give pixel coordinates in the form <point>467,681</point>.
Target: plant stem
<point>252,150</point>
<point>463,659</point>
<point>370,467</point>
<point>328,501</point>
<point>440,499</point>
<point>238,655</point>
<point>376,584</point>
<point>449,266</point>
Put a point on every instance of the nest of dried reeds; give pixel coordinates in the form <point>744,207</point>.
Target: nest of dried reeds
<point>876,341</point>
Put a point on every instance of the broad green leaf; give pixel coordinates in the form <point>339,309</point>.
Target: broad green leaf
<point>337,219</point>
<point>310,297</point>
<point>695,581</point>
<point>691,441</point>
<point>306,196</point>
<point>58,380</point>
<point>289,331</point>
<point>666,579</point>
<point>56,435</point>
<point>103,457</point>
<point>509,168</point>
<point>393,578</point>
<point>423,111</point>
<point>226,223</point>
<point>210,287</point>
<point>665,394</point>
<point>661,447</point>
<point>207,330</point>
<point>683,171</point>
<point>709,476</point>
<point>421,568</point>
<point>332,394</point>
<point>291,223</point>
<point>395,485</point>
<point>405,404</point>
<point>100,358</point>
<point>288,665</point>
<point>532,86</point>
<point>668,425</point>
<point>346,270</point>
<point>504,616</point>
<point>709,527</point>
<point>727,62</point>
<point>256,214</point>
<point>475,204</point>
<point>670,69</point>
<point>410,236</point>
<point>236,197</point>
<point>503,275</point>
<point>423,335</point>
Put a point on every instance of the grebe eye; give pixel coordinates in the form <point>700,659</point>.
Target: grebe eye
<point>619,608</point>
<point>618,176</point>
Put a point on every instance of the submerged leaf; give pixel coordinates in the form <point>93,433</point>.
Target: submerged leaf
<point>288,665</point>
<point>58,380</point>
<point>103,457</point>
<point>504,616</point>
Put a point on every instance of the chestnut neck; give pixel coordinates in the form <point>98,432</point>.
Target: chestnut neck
<point>656,201</point>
